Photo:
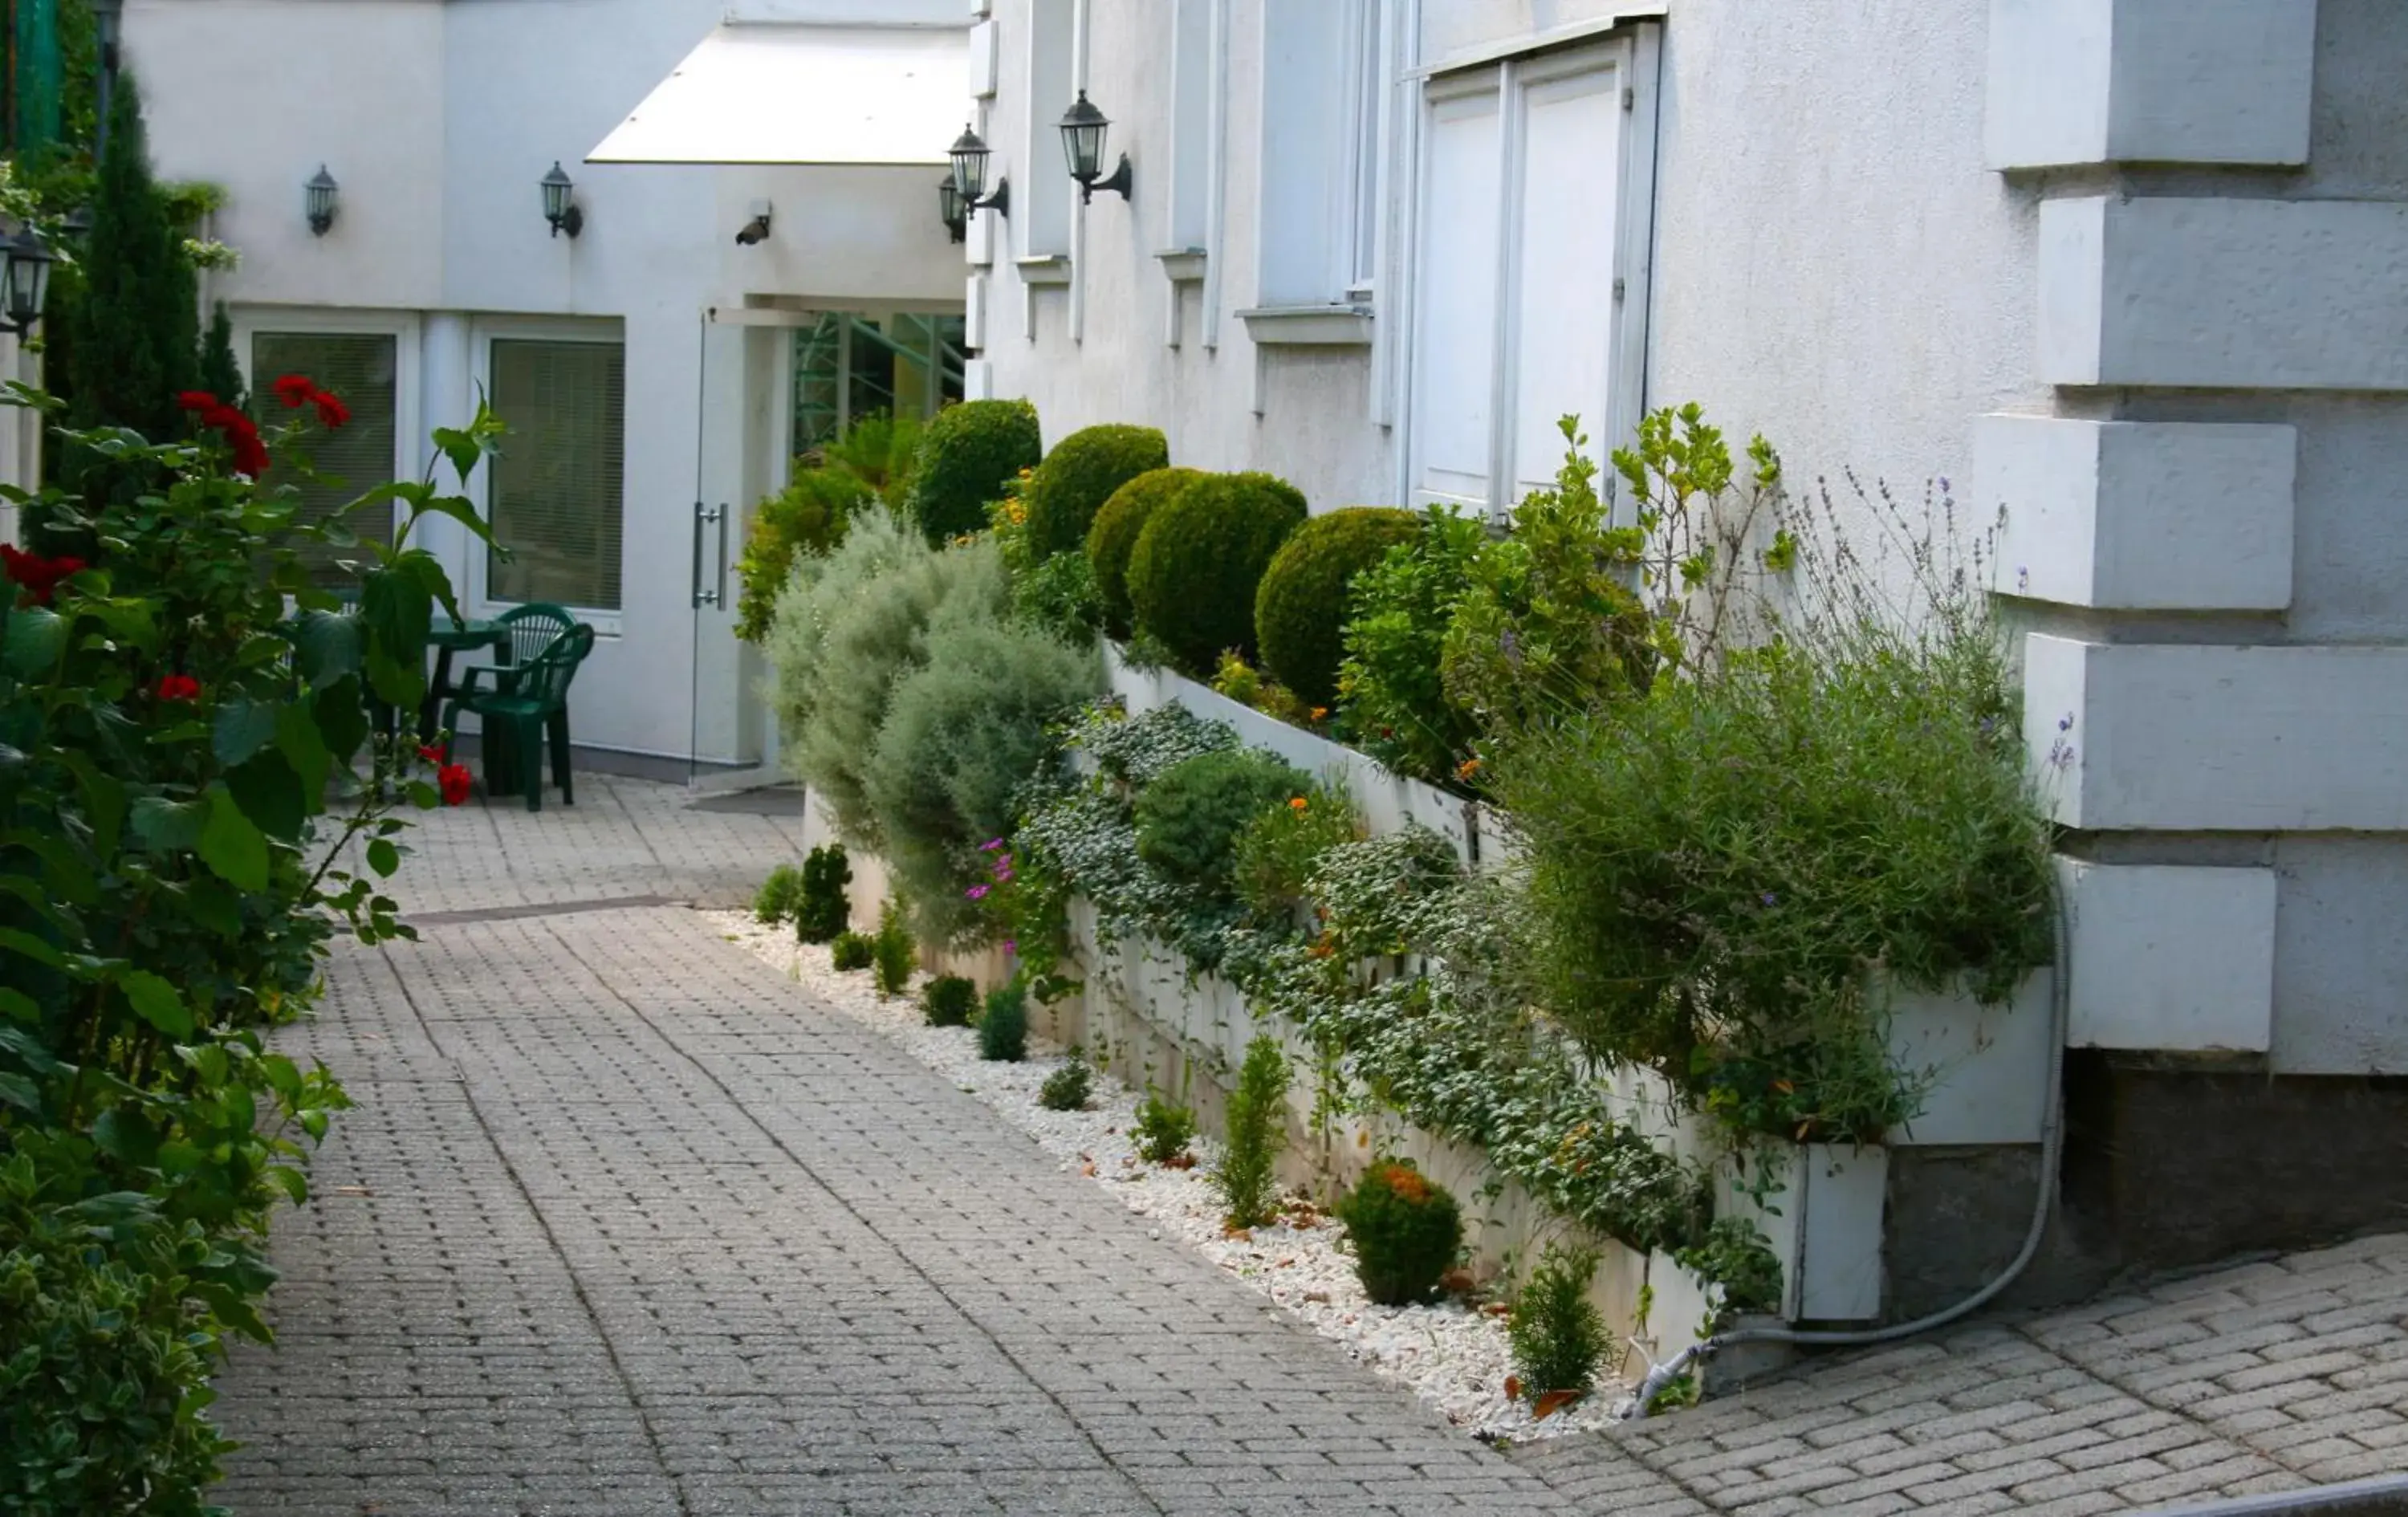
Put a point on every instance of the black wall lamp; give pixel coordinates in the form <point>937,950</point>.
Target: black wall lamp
<point>24,279</point>
<point>559,208</point>
<point>951,210</point>
<point>1082,142</point>
<point>319,197</point>
<point>970,154</point>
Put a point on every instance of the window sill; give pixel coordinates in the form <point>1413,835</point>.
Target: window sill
<point>1182,265</point>
<point>1309,326</point>
<point>1053,268</point>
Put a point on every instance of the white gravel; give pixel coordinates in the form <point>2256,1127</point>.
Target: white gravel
<point>1453,1356</point>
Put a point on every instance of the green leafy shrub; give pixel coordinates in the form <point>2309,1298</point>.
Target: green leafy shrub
<point>1558,1337</point>
<point>1080,475</point>
<point>852,950</point>
<point>774,902</point>
<point>1273,860</point>
<point>1068,1088</point>
<point>1003,1026</point>
<point>967,454</point>
<point>948,1001</point>
<point>1405,1230</point>
<point>822,905</point>
<point>1733,1256</point>
<point>1300,606</point>
<point>893,955</point>
<point>1199,559</point>
<point>806,518</point>
<point>1392,701</point>
<point>1060,596</point>
<point>1247,1177</point>
<point>1162,1129</point>
<point>1111,538</point>
<point>1188,821</point>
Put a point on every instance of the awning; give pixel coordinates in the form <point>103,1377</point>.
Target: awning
<point>785,93</point>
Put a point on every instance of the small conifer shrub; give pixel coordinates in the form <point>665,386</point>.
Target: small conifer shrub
<point>1067,1089</point>
<point>1405,1230</point>
<point>1247,1177</point>
<point>1003,1027</point>
<point>948,1000</point>
<point>852,950</point>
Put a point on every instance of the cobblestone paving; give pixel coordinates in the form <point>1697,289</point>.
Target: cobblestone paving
<point>620,1228</point>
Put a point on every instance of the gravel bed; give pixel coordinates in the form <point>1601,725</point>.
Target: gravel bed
<point>1452,1355</point>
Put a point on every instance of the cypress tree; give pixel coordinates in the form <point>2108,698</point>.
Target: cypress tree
<point>221,375</point>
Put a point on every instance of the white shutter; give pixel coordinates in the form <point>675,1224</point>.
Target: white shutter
<point>1566,219</point>
<point>1454,338</point>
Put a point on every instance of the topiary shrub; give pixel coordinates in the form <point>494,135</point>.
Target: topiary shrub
<point>1300,606</point>
<point>1067,1089</point>
<point>948,1001</point>
<point>1083,471</point>
<point>1189,819</point>
<point>1112,537</point>
<point>1405,1230</point>
<point>852,950</point>
<point>1003,1026</point>
<point>822,907</point>
<point>1193,574</point>
<point>967,454</point>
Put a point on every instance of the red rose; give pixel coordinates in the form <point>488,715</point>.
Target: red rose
<point>296,391</point>
<point>331,412</point>
<point>431,753</point>
<point>453,779</point>
<point>197,400</point>
<point>179,687</point>
<point>39,576</point>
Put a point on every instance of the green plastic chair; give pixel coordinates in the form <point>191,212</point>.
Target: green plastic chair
<point>529,705</point>
<point>528,629</point>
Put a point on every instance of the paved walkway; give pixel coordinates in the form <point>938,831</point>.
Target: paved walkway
<point>620,1228</point>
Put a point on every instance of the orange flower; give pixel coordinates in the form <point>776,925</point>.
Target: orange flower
<point>1321,713</point>
<point>1466,769</point>
<point>1297,804</point>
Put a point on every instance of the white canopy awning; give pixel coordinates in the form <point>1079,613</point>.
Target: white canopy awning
<point>771,94</point>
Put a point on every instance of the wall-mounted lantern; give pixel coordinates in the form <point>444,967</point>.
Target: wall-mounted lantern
<point>319,197</point>
<point>951,209</point>
<point>24,279</point>
<point>559,207</point>
<point>969,156</point>
<point>1082,142</point>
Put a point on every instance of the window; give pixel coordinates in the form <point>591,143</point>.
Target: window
<point>1529,262</point>
<point>555,491</point>
<point>1041,192</point>
<point>1324,78</point>
<point>363,368</point>
<point>849,366</point>
<point>1191,125</point>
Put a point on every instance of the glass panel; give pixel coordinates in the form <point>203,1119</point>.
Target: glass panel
<point>850,366</point>
<point>1454,351</point>
<point>557,492</point>
<point>1564,292</point>
<point>361,370</point>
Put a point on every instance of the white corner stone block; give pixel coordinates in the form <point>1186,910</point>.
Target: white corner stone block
<point>1984,1068</point>
<point>2175,81</point>
<point>2243,294</point>
<point>2141,736</point>
<point>2170,957</point>
<point>2138,516</point>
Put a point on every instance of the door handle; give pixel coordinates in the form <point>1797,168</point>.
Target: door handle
<point>715,517</point>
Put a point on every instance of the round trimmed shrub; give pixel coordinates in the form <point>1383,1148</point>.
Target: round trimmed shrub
<point>1405,1230</point>
<point>948,1000</point>
<point>1193,575</point>
<point>967,454</point>
<point>1080,475</point>
<point>1189,819</point>
<point>1112,537</point>
<point>1301,607</point>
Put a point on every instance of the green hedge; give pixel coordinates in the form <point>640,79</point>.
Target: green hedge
<point>1193,575</point>
<point>1112,537</point>
<point>1080,475</point>
<point>967,454</point>
<point>1300,609</point>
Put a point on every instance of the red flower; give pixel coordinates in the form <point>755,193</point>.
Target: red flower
<point>179,687</point>
<point>453,778</point>
<point>331,412</point>
<point>197,400</point>
<point>431,753</point>
<point>296,391</point>
<point>39,576</point>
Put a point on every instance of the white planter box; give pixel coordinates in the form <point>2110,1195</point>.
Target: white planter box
<point>1988,1065</point>
<point>1825,1227</point>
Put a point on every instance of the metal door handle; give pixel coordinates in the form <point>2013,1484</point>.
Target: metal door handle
<point>712,516</point>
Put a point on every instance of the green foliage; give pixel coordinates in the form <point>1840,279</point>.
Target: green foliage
<point>1080,475</point>
<point>968,453</point>
<point>807,517</point>
<point>1392,701</point>
<point>1734,1256</point>
<point>1247,686</point>
<point>1199,559</point>
<point>1274,861</point>
<point>1060,596</point>
<point>1300,606</point>
<point>948,1001</point>
<point>1068,1088</point>
<point>1111,538</point>
<point>820,905</point>
<point>1003,1025</point>
<point>1189,819</point>
<point>1162,1129</point>
<point>892,954</point>
<point>1405,1230</point>
<point>1558,1336</point>
<point>1247,1177</point>
<point>221,372</point>
<point>775,901</point>
<point>852,950</point>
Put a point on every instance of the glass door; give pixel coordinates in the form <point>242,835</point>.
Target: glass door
<point>727,748</point>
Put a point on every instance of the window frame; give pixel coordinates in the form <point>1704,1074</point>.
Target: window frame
<point>1336,261</point>
<point>477,594</point>
<point>409,433</point>
<point>1634,53</point>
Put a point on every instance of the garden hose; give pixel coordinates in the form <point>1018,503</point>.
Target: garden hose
<point>2052,1142</point>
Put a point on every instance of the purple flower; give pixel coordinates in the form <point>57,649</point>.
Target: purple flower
<point>990,845</point>
<point>1944,484</point>
<point>2064,722</point>
<point>1011,945</point>
<point>976,892</point>
<point>1771,899</point>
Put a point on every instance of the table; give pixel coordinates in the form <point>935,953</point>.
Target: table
<point>447,638</point>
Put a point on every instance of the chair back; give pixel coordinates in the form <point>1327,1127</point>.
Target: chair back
<point>546,682</point>
<point>533,627</point>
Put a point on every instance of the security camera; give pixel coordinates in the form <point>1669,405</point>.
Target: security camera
<point>757,229</point>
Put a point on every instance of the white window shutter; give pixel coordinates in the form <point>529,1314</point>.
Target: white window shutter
<point>1456,291</point>
<point>1565,220</point>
